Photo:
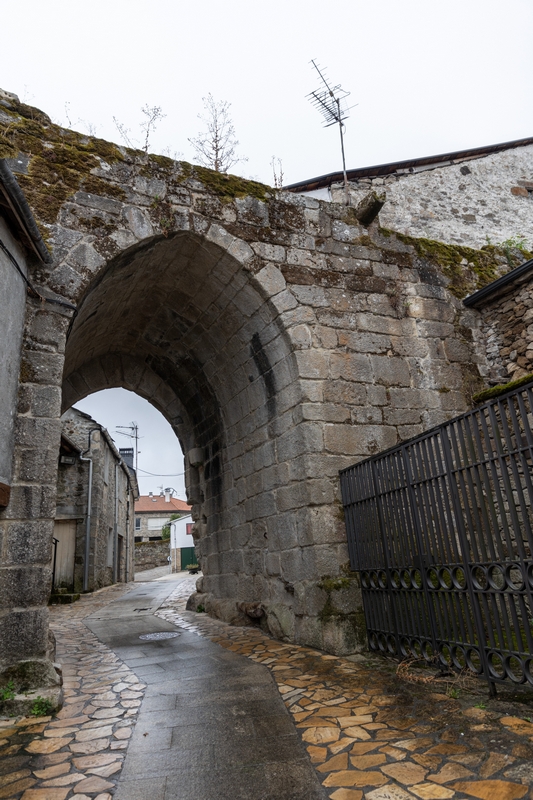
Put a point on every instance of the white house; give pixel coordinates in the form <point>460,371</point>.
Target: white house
<point>181,543</point>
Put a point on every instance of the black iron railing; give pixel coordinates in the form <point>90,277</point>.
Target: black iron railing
<point>441,530</point>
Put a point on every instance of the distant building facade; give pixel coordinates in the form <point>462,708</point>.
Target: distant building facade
<point>96,491</point>
<point>474,197</point>
<point>153,512</point>
<point>182,552</point>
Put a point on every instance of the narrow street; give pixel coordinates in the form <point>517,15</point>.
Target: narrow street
<point>215,712</point>
<point>212,724</point>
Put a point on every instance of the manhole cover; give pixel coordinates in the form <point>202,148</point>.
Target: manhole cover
<point>160,635</point>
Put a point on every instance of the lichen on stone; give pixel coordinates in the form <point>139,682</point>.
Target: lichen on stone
<point>501,388</point>
<point>466,269</point>
<point>60,160</point>
<point>228,187</point>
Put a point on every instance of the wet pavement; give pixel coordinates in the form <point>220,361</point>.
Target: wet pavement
<point>225,712</point>
<point>212,725</point>
<point>158,573</point>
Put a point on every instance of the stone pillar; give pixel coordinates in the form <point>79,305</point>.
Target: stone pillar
<point>26,525</point>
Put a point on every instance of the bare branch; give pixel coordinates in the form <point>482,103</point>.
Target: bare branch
<point>67,114</point>
<point>175,155</point>
<point>153,114</point>
<point>215,147</point>
<point>125,133</point>
<point>90,127</point>
<point>277,170</point>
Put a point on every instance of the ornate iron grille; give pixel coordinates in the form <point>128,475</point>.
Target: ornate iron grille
<point>441,530</point>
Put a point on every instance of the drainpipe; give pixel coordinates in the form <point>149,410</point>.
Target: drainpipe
<point>115,532</point>
<point>127,572</point>
<point>88,515</point>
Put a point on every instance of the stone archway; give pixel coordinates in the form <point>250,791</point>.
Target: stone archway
<point>281,338</point>
<point>180,321</point>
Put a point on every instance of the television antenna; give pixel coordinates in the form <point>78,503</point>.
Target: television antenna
<point>331,102</point>
<point>133,434</point>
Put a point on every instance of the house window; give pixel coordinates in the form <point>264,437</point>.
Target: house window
<point>137,523</point>
<point>188,528</point>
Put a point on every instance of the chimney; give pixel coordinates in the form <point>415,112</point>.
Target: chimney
<point>167,495</point>
<point>127,456</point>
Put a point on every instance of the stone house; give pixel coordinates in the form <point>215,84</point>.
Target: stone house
<point>475,197</point>
<point>96,491</point>
<point>506,307</point>
<point>152,512</point>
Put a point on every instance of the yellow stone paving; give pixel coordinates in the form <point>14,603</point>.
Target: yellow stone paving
<point>368,733</point>
<point>46,759</point>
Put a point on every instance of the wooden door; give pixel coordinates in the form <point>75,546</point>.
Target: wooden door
<point>65,533</point>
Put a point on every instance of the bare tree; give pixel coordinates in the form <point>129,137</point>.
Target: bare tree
<point>153,114</point>
<point>277,171</point>
<point>215,147</point>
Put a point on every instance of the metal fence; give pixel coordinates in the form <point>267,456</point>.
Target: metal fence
<point>441,530</point>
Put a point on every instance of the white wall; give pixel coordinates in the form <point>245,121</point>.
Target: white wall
<point>468,203</point>
<point>178,533</point>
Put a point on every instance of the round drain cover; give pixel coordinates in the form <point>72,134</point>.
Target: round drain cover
<point>160,635</point>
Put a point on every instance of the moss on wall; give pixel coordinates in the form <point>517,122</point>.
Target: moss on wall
<point>467,269</point>
<point>501,388</point>
<point>60,161</point>
<point>228,187</point>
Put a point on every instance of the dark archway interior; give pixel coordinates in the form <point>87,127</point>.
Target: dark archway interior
<point>177,321</point>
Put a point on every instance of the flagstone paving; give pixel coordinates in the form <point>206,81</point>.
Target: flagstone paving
<point>80,751</point>
<point>371,733</point>
<point>366,731</point>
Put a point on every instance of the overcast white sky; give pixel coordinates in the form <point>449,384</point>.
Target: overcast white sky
<point>159,450</point>
<point>429,76</point>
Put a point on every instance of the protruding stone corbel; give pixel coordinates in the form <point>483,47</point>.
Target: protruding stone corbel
<point>369,207</point>
<point>196,457</point>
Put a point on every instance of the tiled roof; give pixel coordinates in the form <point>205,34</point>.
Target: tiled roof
<point>158,503</point>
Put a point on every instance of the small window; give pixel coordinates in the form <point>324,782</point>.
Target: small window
<point>137,523</point>
<point>189,528</point>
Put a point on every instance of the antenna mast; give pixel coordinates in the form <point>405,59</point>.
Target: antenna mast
<point>331,102</point>
<point>134,434</point>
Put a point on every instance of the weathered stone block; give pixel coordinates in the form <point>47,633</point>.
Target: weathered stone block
<point>413,398</point>
<point>23,587</point>
<point>271,280</point>
<point>39,367</point>
<point>391,371</point>
<point>23,635</point>
<point>358,439</point>
<point>345,392</point>
<point>364,342</point>
<point>32,502</point>
<point>27,542</point>
<point>351,366</point>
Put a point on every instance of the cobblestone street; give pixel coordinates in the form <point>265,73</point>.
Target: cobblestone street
<point>366,731</point>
